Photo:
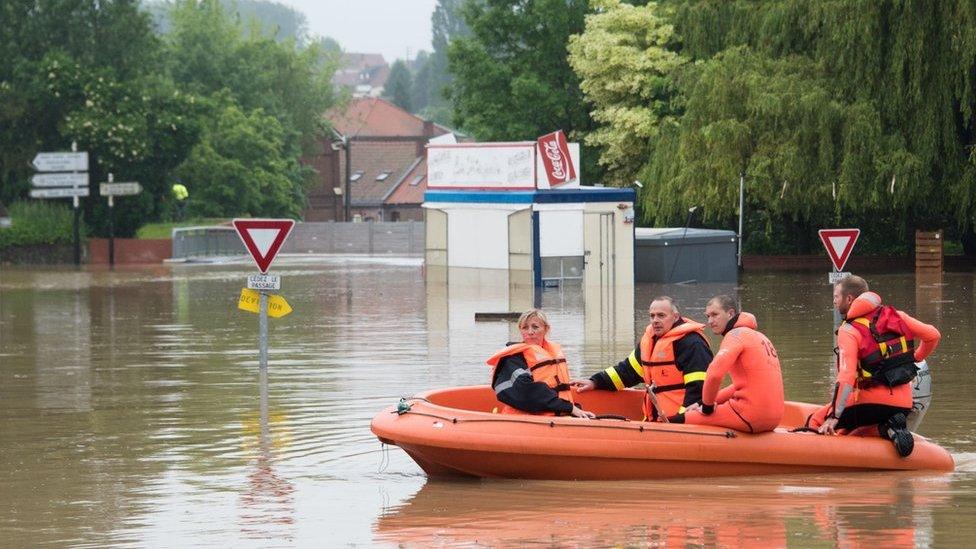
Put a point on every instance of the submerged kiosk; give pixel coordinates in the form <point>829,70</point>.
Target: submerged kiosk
<point>495,208</point>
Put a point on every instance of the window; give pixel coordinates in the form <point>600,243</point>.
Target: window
<point>356,175</point>
<point>416,180</point>
<point>382,176</point>
<point>395,216</point>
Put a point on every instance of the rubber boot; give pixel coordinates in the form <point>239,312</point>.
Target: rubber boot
<point>896,430</point>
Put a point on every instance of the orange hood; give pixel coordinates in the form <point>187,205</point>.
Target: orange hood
<point>863,305</point>
<point>746,320</point>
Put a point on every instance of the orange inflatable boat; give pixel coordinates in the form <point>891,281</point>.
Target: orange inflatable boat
<point>452,432</point>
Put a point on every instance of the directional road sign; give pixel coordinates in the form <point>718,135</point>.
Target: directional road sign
<point>118,189</point>
<point>839,243</point>
<point>263,238</point>
<point>60,179</point>
<point>61,162</point>
<point>61,192</point>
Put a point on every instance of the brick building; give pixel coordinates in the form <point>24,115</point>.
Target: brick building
<point>388,169</point>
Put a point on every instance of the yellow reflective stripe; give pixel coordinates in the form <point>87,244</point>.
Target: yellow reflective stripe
<point>615,378</point>
<point>694,376</point>
<point>863,321</point>
<point>904,344</point>
<point>681,410</point>
<point>635,364</point>
<point>884,349</point>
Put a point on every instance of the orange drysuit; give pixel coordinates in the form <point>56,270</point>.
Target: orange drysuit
<point>850,373</point>
<point>754,401</point>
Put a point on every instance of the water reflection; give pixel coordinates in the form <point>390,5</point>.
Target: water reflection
<point>130,413</point>
<point>895,510</point>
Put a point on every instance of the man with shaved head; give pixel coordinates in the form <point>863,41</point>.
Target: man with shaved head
<point>670,360</point>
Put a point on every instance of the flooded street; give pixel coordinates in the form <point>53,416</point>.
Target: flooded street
<point>129,415</point>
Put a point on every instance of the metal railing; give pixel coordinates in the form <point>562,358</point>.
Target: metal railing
<point>206,242</point>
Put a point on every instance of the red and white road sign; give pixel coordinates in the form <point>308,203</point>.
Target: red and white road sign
<point>555,156</point>
<point>839,243</point>
<point>263,238</point>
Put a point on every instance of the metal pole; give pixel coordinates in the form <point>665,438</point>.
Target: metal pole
<point>77,232</point>
<point>111,228</point>
<point>263,334</point>
<point>742,202</point>
<point>76,202</point>
<point>345,193</point>
<point>111,234</point>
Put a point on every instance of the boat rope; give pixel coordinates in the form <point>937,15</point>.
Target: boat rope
<point>553,424</point>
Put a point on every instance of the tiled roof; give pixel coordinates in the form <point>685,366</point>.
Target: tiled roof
<point>372,159</point>
<point>406,192</point>
<point>361,68</point>
<point>374,116</point>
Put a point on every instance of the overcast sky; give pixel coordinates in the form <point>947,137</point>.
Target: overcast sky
<point>390,27</point>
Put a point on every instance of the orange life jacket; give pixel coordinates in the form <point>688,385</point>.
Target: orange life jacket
<point>887,350</point>
<point>546,363</point>
<point>657,362</point>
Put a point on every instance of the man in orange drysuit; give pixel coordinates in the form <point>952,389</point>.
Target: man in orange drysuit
<point>754,402</point>
<point>875,364</point>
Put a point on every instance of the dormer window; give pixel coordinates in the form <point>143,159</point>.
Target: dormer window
<point>416,180</point>
<point>356,176</point>
<point>382,176</point>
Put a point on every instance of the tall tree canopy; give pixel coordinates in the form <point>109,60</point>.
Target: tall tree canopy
<point>838,111</point>
<point>512,79</point>
<point>399,86</point>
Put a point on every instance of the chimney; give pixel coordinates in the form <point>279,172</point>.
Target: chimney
<point>428,129</point>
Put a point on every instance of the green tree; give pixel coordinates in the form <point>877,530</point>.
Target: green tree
<point>420,90</point>
<point>110,37</point>
<point>447,23</point>
<point>399,85</point>
<point>840,111</point>
<point>512,77</point>
<point>624,60</point>
<point>240,167</point>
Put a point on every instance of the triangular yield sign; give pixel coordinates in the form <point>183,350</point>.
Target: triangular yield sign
<point>263,238</point>
<point>839,243</point>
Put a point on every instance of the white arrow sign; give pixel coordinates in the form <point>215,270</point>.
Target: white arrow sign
<point>60,180</point>
<point>63,192</point>
<point>61,162</point>
<point>119,189</point>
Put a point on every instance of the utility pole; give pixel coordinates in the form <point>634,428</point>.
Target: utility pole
<point>742,203</point>
<point>346,143</point>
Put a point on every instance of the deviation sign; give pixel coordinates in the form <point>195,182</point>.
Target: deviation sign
<point>263,238</point>
<point>839,244</point>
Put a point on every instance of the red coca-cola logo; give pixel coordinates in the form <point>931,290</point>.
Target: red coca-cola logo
<point>556,157</point>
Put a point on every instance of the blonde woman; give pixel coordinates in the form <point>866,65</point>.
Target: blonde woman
<point>531,377</point>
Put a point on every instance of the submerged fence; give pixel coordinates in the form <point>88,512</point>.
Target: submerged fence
<point>373,238</point>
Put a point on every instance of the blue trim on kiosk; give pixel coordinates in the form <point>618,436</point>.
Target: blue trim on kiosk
<point>567,196</point>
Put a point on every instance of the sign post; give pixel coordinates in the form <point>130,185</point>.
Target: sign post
<point>111,190</point>
<point>839,244</point>
<point>263,239</point>
<point>61,184</point>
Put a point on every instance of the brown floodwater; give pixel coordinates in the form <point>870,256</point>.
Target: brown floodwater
<point>130,416</point>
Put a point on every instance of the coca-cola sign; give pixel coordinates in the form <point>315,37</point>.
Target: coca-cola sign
<point>554,150</point>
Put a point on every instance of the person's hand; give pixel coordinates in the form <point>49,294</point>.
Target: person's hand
<point>828,427</point>
<point>579,412</point>
<point>696,407</point>
<point>583,385</point>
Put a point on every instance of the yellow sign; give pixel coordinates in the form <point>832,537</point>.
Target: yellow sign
<point>250,301</point>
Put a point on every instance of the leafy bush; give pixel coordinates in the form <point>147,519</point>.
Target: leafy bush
<point>39,222</point>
